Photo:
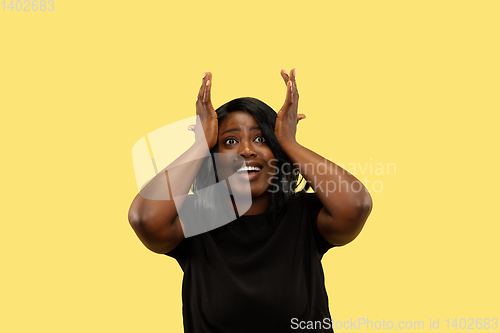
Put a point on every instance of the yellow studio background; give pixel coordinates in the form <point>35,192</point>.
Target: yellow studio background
<point>412,86</point>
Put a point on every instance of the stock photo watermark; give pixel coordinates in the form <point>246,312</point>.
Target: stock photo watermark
<point>366,323</point>
<point>314,175</point>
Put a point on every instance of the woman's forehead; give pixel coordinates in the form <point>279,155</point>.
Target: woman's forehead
<point>238,119</point>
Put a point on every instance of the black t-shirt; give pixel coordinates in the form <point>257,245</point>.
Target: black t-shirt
<point>254,275</point>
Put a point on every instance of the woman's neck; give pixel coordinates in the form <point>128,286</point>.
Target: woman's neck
<point>259,205</point>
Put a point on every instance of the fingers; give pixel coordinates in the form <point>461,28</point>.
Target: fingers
<point>291,78</point>
<point>208,87</point>
<point>191,127</point>
<point>284,75</point>
<point>295,92</point>
<point>291,86</point>
<point>202,88</point>
<point>300,116</point>
<point>289,93</point>
<point>204,101</point>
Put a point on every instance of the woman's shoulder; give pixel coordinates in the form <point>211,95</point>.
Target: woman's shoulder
<point>308,205</point>
<point>304,197</point>
<point>302,203</point>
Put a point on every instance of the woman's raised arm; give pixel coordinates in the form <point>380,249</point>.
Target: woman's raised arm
<point>346,201</point>
<point>156,222</point>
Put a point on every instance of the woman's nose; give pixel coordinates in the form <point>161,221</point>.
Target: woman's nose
<point>246,150</point>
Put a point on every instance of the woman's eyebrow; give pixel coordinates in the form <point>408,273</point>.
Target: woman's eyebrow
<point>238,130</point>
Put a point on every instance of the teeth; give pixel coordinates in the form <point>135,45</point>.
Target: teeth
<point>248,168</point>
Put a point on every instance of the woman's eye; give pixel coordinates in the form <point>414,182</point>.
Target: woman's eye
<point>260,139</point>
<point>230,141</point>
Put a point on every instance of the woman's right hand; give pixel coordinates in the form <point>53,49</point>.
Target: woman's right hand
<point>206,114</point>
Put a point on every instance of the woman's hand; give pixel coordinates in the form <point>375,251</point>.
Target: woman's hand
<point>286,122</point>
<point>206,114</point>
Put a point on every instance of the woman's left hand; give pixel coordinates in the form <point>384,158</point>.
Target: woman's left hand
<point>286,122</point>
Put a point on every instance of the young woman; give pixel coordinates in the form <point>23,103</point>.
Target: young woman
<point>262,272</point>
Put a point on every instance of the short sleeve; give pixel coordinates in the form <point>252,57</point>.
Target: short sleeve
<point>315,205</point>
<point>180,252</point>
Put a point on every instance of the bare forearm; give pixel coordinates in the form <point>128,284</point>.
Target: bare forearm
<point>342,194</point>
<point>153,208</point>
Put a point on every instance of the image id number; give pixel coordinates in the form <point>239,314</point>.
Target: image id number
<point>29,6</point>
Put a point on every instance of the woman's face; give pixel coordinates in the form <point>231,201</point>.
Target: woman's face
<point>240,135</point>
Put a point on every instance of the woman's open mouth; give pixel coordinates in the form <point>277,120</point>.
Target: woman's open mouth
<point>248,172</point>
